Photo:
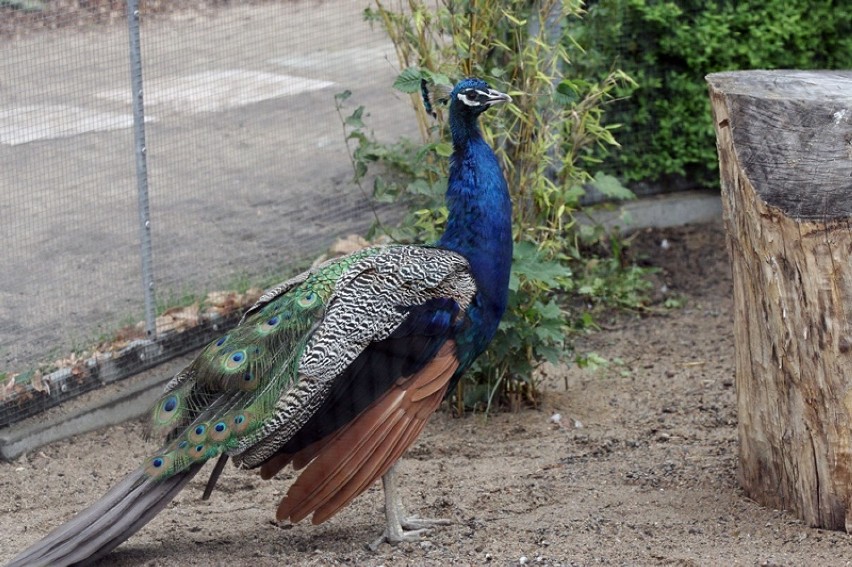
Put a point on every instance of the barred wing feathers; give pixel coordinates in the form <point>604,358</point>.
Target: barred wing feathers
<point>346,463</point>
<point>311,355</point>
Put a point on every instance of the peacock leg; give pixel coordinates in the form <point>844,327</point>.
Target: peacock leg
<point>401,527</point>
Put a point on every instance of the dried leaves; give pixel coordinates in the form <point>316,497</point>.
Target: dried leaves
<point>217,305</point>
<point>178,319</point>
<point>347,245</point>
<point>224,303</point>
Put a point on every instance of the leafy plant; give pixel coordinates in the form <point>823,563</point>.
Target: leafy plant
<point>547,141</point>
<point>669,46</point>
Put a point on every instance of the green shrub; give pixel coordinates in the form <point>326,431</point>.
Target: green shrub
<point>547,140</point>
<point>668,47</point>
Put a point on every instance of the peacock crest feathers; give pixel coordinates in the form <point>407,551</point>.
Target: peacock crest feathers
<point>434,95</point>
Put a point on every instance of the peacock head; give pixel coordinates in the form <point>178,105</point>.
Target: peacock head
<point>468,97</point>
<point>476,96</point>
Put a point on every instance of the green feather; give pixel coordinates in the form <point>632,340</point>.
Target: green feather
<point>232,387</point>
<point>170,411</point>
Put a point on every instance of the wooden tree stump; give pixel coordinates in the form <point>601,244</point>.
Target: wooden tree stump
<point>785,150</point>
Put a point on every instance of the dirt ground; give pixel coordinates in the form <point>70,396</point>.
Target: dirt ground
<point>640,470</point>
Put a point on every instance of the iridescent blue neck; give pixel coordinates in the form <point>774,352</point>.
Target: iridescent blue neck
<point>480,216</point>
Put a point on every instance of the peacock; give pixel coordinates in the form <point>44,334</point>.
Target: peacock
<point>335,371</point>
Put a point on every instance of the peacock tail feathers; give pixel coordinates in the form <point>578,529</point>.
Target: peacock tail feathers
<point>252,389</point>
<point>217,403</point>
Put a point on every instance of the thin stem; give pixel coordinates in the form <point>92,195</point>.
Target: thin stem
<point>356,177</point>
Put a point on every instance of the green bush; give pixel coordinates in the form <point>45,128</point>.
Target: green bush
<point>548,140</point>
<point>668,47</point>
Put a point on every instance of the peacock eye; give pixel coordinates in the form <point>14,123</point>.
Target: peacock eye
<point>471,95</point>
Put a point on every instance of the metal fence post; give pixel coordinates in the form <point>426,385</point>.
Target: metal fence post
<point>141,166</point>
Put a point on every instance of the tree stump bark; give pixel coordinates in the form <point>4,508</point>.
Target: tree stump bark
<point>785,151</point>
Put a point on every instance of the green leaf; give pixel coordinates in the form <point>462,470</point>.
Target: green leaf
<point>436,78</point>
<point>591,361</point>
<point>409,80</point>
<point>551,354</point>
<point>354,119</point>
<point>418,187</point>
<point>444,149</point>
<point>612,187</point>
<point>551,310</point>
<point>360,169</point>
<point>528,262</point>
<point>573,195</point>
<point>357,135</point>
<point>566,93</point>
<point>514,282</point>
<point>548,334</point>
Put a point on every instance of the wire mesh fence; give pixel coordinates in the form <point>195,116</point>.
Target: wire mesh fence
<point>248,174</point>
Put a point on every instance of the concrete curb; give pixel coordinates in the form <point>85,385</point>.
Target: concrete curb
<point>660,211</point>
<point>114,404</point>
<point>110,410</point>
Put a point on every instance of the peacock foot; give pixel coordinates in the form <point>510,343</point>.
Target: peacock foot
<point>415,523</point>
<point>408,529</point>
<point>401,527</point>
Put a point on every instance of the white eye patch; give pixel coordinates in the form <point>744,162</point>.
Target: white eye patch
<point>463,97</point>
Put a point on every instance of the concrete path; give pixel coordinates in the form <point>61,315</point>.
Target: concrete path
<point>248,168</point>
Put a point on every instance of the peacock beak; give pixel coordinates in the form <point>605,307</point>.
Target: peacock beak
<point>496,97</point>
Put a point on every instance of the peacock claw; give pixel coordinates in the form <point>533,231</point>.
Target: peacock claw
<point>393,538</point>
<point>415,523</point>
<point>409,529</point>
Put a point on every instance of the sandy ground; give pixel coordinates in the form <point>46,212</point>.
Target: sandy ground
<point>641,470</point>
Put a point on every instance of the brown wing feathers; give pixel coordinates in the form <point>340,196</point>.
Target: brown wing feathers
<point>344,464</point>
